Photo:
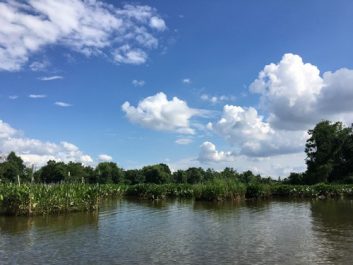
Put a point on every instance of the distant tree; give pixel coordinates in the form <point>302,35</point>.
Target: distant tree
<point>246,176</point>
<point>109,172</point>
<point>210,174</point>
<point>12,168</point>
<point>157,174</point>
<point>195,175</point>
<point>53,172</point>
<point>295,179</point>
<point>229,173</point>
<point>75,172</point>
<point>180,176</point>
<point>134,176</point>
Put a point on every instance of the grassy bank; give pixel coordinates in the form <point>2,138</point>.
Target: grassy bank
<point>38,199</point>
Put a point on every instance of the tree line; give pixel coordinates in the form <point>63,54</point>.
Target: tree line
<point>13,169</point>
<point>329,159</point>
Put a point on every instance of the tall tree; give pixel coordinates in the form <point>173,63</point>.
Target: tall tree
<point>329,152</point>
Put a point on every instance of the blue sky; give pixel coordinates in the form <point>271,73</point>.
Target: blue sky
<point>187,83</point>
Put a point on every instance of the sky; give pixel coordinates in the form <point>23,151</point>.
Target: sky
<point>188,83</point>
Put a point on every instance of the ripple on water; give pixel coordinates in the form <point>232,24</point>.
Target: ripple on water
<point>185,232</point>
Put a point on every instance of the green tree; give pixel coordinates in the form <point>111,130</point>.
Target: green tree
<point>157,174</point>
<point>12,168</point>
<point>109,172</point>
<point>195,175</point>
<point>53,172</point>
<point>230,173</point>
<point>134,176</point>
<point>180,176</point>
<point>329,152</point>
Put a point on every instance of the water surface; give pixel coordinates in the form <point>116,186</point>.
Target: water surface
<point>185,232</point>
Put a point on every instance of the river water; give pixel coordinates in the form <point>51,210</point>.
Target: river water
<point>185,232</point>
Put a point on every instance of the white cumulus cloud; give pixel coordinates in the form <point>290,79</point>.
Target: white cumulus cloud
<point>296,96</point>
<point>209,153</point>
<point>37,152</point>
<point>158,113</point>
<point>250,135</point>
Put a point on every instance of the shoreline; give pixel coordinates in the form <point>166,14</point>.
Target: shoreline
<point>45,199</point>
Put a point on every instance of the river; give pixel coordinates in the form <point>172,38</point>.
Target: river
<point>185,232</point>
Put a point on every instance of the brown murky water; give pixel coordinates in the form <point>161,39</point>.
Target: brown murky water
<point>185,232</point>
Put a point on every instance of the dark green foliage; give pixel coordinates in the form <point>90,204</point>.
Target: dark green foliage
<point>180,176</point>
<point>329,153</point>
<point>230,173</point>
<point>134,176</point>
<point>12,168</point>
<point>157,174</point>
<point>109,172</point>
<point>54,172</point>
<point>195,175</point>
<point>295,178</point>
<point>256,190</point>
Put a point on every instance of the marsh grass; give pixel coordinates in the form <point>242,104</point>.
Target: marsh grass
<point>42,199</point>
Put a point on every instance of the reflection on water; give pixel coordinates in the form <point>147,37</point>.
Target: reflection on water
<point>185,232</point>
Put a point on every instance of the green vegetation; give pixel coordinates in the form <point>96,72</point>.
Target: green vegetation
<point>33,199</point>
<point>41,199</point>
<point>60,187</point>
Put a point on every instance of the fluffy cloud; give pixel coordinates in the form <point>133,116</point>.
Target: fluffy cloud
<point>296,96</point>
<point>157,23</point>
<point>38,152</point>
<point>105,158</point>
<point>87,26</point>
<point>128,55</point>
<point>158,113</point>
<point>208,153</point>
<point>275,166</point>
<point>250,135</point>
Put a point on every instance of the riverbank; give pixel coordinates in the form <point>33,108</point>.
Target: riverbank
<point>42,199</point>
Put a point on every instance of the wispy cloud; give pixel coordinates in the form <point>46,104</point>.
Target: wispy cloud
<point>62,104</point>
<point>50,78</point>
<point>217,99</point>
<point>186,81</point>
<point>93,28</point>
<point>13,97</point>
<point>138,82</point>
<point>36,96</point>
<point>39,66</point>
<point>105,158</point>
<point>183,141</point>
